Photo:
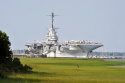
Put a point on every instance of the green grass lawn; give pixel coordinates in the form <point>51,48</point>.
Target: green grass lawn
<point>65,70</point>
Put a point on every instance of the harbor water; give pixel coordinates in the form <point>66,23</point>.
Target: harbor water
<point>114,59</point>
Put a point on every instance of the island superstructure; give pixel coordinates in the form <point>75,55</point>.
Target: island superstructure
<point>52,48</point>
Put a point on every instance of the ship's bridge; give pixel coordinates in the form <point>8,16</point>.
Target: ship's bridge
<point>51,36</point>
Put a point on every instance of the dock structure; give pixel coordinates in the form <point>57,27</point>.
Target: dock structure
<point>21,53</point>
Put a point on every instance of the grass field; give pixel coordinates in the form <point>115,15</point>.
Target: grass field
<point>65,70</point>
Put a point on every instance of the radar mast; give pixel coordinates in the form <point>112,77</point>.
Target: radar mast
<point>52,16</point>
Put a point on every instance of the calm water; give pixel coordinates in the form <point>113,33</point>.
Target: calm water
<point>114,59</point>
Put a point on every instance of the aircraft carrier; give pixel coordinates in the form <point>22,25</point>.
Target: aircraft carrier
<point>52,48</point>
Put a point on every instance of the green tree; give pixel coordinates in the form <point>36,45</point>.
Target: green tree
<point>5,53</point>
<point>7,63</point>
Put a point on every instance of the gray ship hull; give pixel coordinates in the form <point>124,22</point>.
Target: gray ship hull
<point>75,51</point>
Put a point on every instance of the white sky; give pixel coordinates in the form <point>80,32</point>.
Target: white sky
<point>101,21</point>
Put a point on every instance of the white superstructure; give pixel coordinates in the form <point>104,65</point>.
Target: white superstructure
<point>52,48</point>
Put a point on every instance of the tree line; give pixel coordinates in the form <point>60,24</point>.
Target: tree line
<point>108,53</point>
